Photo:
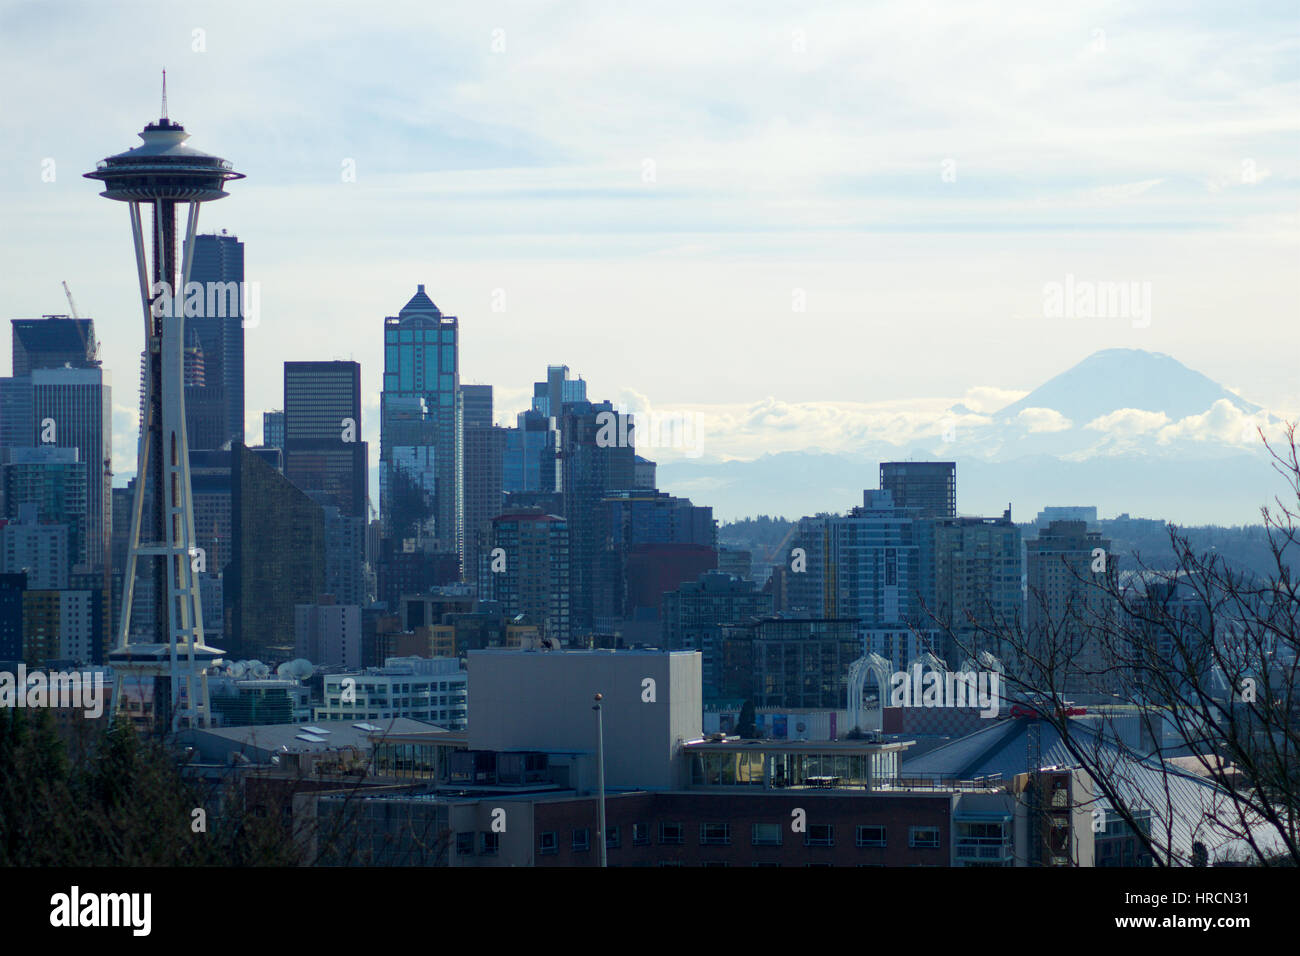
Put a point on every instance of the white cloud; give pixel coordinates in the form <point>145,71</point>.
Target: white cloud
<point>1126,422</point>
<point>1043,420</point>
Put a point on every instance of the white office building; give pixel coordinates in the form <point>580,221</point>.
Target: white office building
<point>419,688</point>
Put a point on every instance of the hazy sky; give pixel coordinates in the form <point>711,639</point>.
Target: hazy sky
<point>656,188</point>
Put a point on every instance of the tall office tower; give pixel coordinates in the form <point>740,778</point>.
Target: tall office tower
<point>1066,609</point>
<point>323,450</point>
<point>53,341</point>
<point>977,587</point>
<point>550,396</point>
<point>422,361</point>
<point>484,455</point>
<point>533,579</point>
<point>214,410</point>
<point>596,457</point>
<point>73,408</point>
<point>162,173</point>
<point>51,480</point>
<point>930,486</point>
<point>273,429</point>
<point>278,558</point>
<point>529,462</point>
<point>874,564</point>
<point>477,404</point>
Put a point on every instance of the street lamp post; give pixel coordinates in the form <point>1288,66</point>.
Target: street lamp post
<point>600,777</point>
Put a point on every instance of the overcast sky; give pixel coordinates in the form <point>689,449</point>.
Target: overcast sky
<point>656,188</point>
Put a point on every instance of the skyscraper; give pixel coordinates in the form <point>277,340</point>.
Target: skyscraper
<point>594,461</point>
<point>273,429</point>
<point>214,411</point>
<point>278,559</point>
<point>323,450</point>
<point>421,361</point>
<point>73,408</point>
<point>53,341</point>
<point>484,455</point>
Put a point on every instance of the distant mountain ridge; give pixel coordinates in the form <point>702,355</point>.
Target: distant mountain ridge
<point>1171,443</point>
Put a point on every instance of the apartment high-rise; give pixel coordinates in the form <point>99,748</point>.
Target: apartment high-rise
<point>323,450</point>
<point>214,410</point>
<point>530,573</point>
<point>977,584</point>
<point>52,481</point>
<point>1067,606</point>
<point>873,564</point>
<point>928,486</point>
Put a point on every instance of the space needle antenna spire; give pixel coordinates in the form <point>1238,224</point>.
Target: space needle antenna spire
<point>164,103</point>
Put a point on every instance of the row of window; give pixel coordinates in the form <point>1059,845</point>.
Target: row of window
<point>719,834</point>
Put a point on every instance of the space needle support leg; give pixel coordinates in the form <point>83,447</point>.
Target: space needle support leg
<point>142,458</point>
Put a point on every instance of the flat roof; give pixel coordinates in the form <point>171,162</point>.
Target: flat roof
<point>798,746</point>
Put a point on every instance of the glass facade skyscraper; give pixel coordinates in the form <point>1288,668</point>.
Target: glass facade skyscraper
<point>422,361</point>
<point>214,410</point>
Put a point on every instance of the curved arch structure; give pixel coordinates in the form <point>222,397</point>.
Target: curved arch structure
<point>867,665</point>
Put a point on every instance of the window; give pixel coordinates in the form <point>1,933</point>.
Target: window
<point>550,843</point>
<point>871,836</point>
<point>581,840</point>
<point>670,833</point>
<point>766,834</point>
<point>716,863</point>
<point>640,834</point>
<point>923,837</point>
<point>464,844</point>
<point>715,834</point>
<point>612,838</point>
<point>490,843</point>
<point>819,834</point>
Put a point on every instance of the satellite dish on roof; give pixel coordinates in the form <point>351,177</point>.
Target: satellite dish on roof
<point>296,669</point>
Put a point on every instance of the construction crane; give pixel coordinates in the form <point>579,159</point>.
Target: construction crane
<point>71,302</point>
<point>76,316</point>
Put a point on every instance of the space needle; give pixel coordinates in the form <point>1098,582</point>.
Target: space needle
<point>162,173</point>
